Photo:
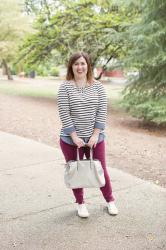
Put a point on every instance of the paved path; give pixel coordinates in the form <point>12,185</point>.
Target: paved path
<point>37,212</point>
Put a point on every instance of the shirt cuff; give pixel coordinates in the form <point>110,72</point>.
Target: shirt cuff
<point>99,125</point>
<point>69,130</point>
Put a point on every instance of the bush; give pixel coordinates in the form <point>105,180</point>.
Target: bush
<point>41,71</point>
<point>149,109</point>
<point>54,71</point>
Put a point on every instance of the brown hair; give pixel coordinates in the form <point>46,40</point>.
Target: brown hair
<point>73,58</point>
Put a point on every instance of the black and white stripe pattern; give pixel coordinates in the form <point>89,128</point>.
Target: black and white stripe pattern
<point>82,109</point>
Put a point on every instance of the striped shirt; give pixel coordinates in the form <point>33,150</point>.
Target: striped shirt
<point>82,109</point>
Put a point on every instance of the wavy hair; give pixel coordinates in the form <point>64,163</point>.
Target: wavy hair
<point>72,59</point>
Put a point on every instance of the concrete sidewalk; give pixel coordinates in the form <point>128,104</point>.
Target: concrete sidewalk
<point>37,211</point>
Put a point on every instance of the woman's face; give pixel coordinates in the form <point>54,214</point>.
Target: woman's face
<point>80,68</point>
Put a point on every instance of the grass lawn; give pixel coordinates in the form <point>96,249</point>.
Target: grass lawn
<point>32,88</point>
<point>49,88</point>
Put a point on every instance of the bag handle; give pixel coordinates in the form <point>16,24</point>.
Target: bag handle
<point>91,154</point>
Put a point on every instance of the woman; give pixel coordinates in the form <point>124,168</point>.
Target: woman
<point>82,107</point>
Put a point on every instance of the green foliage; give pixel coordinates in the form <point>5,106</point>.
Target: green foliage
<point>13,26</point>
<point>89,25</point>
<point>42,70</point>
<point>149,110</point>
<point>54,71</point>
<point>144,97</point>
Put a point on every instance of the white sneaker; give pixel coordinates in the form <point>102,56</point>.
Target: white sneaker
<point>82,210</point>
<point>112,209</point>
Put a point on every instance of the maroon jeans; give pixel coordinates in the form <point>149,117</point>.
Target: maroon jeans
<point>70,153</point>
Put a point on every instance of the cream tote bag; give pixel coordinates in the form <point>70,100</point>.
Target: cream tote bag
<point>84,173</point>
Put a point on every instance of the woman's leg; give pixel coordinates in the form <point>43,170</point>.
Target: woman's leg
<point>70,153</point>
<point>99,153</point>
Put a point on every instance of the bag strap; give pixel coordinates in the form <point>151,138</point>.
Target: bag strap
<point>91,154</point>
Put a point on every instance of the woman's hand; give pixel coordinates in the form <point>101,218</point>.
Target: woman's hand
<point>93,141</point>
<point>94,138</point>
<point>78,141</point>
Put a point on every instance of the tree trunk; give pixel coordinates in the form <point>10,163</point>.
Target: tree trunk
<point>104,67</point>
<point>101,73</point>
<point>7,70</point>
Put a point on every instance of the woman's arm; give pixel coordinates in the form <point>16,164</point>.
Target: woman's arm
<point>100,116</point>
<point>64,110</point>
<point>102,108</point>
<point>64,113</point>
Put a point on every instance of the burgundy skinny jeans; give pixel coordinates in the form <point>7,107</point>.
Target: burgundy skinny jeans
<point>70,153</point>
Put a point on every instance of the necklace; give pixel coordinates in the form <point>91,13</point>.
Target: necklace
<point>81,84</point>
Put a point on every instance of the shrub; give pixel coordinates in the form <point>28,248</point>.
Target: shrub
<point>54,71</point>
<point>148,109</point>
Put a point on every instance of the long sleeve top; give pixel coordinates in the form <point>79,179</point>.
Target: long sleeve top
<point>82,109</point>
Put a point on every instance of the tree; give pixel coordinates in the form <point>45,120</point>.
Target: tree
<point>13,26</point>
<point>90,25</point>
<point>145,97</point>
